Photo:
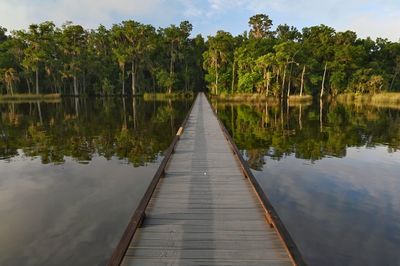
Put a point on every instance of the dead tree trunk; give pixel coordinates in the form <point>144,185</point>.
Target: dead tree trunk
<point>323,81</point>
<point>133,79</point>
<point>290,81</point>
<point>233,76</point>
<point>302,80</point>
<point>123,79</point>
<point>216,80</point>
<point>75,86</point>
<point>37,80</point>
<point>283,82</point>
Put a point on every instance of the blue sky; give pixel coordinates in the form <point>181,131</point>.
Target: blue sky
<point>366,17</point>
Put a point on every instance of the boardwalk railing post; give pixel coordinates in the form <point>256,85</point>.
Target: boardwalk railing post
<point>142,219</point>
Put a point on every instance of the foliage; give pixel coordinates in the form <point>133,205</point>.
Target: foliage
<point>71,60</point>
<point>276,61</point>
<point>285,61</point>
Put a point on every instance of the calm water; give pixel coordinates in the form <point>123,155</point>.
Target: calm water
<point>332,174</point>
<point>72,173</point>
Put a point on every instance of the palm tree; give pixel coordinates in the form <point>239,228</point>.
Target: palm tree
<point>264,63</point>
<point>215,59</point>
<point>121,63</point>
<point>119,49</point>
<point>213,62</point>
<point>10,76</point>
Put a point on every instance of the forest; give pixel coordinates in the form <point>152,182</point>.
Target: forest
<point>132,58</point>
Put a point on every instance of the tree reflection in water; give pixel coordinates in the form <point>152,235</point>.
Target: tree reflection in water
<point>309,132</point>
<point>80,128</point>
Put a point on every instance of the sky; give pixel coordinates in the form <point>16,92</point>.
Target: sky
<point>366,17</point>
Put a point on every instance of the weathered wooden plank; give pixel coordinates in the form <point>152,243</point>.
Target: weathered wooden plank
<point>204,262</point>
<point>200,202</point>
<point>205,216</point>
<point>204,197</point>
<point>238,196</point>
<point>210,236</point>
<point>181,190</point>
<point>259,224</point>
<point>216,254</point>
<point>204,229</point>
<point>200,177</point>
<point>240,244</point>
<point>243,211</point>
<point>203,206</point>
<point>205,186</point>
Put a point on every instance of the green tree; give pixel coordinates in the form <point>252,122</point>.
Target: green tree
<point>216,59</point>
<point>38,49</point>
<point>260,26</point>
<point>120,50</point>
<point>286,57</point>
<point>319,41</point>
<point>10,76</point>
<point>176,38</point>
<point>265,65</point>
<point>74,46</point>
<point>3,36</point>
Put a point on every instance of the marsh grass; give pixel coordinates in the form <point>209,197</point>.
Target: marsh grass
<point>167,96</point>
<point>386,99</point>
<point>252,97</point>
<point>30,97</point>
<point>300,99</point>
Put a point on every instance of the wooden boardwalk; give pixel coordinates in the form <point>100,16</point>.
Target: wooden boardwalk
<point>205,211</point>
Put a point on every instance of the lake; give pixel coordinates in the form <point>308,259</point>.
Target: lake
<point>331,171</point>
<point>72,173</point>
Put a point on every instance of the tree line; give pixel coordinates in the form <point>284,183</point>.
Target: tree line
<point>284,61</point>
<point>128,58</point>
<point>131,58</point>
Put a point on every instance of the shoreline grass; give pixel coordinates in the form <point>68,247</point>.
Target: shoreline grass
<point>383,100</point>
<point>300,99</point>
<point>168,96</point>
<point>253,97</point>
<point>30,97</point>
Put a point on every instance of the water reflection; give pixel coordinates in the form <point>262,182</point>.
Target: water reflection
<point>309,132</point>
<point>331,171</point>
<point>136,131</point>
<point>67,185</point>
